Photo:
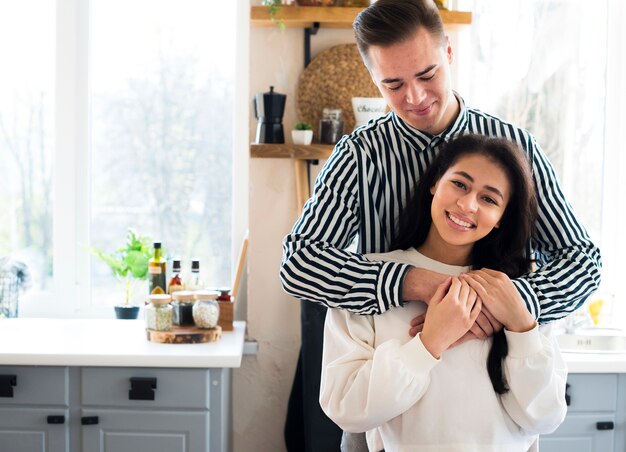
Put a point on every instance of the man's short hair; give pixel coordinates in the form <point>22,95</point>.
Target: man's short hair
<point>388,22</point>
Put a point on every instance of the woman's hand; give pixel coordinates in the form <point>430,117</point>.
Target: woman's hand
<point>451,312</point>
<point>500,296</point>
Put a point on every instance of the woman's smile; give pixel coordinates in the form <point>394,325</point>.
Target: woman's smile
<point>459,222</point>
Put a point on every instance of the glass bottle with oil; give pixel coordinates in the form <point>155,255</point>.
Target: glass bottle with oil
<point>157,283</point>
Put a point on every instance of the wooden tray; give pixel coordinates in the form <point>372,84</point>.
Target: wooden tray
<point>185,335</point>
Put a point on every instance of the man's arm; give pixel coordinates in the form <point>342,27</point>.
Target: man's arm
<point>315,265</point>
<point>569,263</point>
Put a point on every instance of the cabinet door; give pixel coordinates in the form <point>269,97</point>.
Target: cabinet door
<point>135,430</point>
<point>29,430</point>
<point>580,433</point>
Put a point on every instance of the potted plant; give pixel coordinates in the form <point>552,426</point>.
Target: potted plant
<point>302,133</point>
<point>129,264</point>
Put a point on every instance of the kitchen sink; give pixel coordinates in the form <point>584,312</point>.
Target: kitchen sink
<point>593,340</point>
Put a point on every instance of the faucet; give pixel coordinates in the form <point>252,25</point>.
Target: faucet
<point>577,320</point>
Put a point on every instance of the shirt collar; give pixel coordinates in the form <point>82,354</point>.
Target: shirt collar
<point>423,139</point>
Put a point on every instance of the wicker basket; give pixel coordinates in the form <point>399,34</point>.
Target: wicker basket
<point>331,80</point>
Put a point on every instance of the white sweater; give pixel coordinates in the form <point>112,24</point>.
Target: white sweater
<point>379,380</point>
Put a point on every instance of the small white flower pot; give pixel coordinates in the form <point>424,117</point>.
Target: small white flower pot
<point>302,136</point>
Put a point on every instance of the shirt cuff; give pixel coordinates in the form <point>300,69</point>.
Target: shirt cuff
<point>416,357</point>
<point>522,345</point>
<point>528,295</point>
<point>389,287</point>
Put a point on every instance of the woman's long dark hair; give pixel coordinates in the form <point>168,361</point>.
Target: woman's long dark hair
<point>504,249</point>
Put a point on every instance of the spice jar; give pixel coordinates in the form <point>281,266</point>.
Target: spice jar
<point>331,126</point>
<point>159,312</point>
<point>182,304</point>
<point>206,311</point>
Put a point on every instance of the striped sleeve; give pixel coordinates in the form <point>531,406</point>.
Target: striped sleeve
<point>316,267</point>
<point>569,263</point>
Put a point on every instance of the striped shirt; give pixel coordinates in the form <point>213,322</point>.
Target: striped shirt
<point>361,192</point>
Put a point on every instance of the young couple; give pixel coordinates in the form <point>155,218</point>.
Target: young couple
<point>471,217</point>
<point>360,194</point>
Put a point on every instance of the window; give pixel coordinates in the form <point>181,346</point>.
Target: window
<point>544,65</point>
<point>140,135</point>
<point>27,135</point>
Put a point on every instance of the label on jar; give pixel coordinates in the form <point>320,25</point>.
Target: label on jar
<point>156,270</point>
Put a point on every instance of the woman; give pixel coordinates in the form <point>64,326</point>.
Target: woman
<point>473,209</point>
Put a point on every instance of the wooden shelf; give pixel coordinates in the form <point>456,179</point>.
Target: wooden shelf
<point>332,17</point>
<point>291,151</point>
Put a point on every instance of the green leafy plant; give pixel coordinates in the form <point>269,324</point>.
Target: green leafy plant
<point>129,261</point>
<point>273,7</point>
<point>303,126</point>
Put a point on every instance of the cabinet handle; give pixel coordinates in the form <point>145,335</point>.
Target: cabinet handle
<point>142,388</point>
<point>56,419</point>
<point>568,397</point>
<point>6,385</point>
<point>89,420</point>
<point>605,425</point>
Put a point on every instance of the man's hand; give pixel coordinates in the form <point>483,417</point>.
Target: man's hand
<point>502,298</point>
<point>421,284</point>
<point>486,324</point>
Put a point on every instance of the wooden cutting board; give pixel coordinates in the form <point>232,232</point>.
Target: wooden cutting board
<point>185,335</point>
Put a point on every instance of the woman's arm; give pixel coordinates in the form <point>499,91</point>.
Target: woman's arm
<point>363,387</point>
<point>536,374</point>
<point>534,368</point>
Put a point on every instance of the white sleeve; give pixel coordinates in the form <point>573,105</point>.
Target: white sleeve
<point>363,387</point>
<point>536,374</point>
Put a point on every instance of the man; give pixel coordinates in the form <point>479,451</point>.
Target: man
<point>366,182</point>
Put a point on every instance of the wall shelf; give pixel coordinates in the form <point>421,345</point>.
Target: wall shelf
<point>291,151</point>
<point>332,17</point>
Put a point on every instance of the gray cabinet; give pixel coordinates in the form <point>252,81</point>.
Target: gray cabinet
<point>34,409</point>
<point>591,425</point>
<point>105,409</point>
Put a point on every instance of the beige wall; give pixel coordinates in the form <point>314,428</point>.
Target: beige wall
<point>261,386</point>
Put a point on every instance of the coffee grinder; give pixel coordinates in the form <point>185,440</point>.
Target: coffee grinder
<point>268,109</point>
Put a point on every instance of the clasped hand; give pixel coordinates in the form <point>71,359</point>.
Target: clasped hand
<point>499,305</point>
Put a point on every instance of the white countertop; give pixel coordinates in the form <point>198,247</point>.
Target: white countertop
<point>595,363</point>
<point>123,343</point>
<point>108,342</point>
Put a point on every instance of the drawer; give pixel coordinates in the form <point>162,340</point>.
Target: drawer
<point>592,392</point>
<point>34,385</point>
<point>580,432</point>
<point>175,388</point>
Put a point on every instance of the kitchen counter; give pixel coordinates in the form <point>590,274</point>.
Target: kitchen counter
<point>121,343</point>
<point>108,342</point>
<point>595,363</point>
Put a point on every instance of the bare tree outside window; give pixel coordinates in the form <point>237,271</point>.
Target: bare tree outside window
<point>162,134</point>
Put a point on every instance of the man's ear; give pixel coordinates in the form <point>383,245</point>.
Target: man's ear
<point>449,52</point>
